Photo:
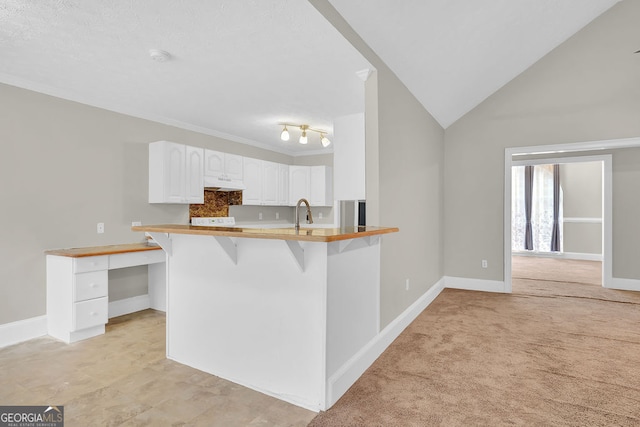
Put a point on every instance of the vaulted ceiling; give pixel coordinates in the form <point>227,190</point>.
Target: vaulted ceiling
<point>237,68</point>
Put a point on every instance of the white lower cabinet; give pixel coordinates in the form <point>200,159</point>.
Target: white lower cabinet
<point>77,301</point>
<point>78,290</point>
<point>94,312</point>
<point>94,284</point>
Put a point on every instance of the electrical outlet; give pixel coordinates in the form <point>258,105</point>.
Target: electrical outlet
<point>319,215</point>
<point>100,227</point>
<point>277,215</point>
<point>136,223</point>
<point>484,263</point>
<point>406,284</point>
<point>260,216</point>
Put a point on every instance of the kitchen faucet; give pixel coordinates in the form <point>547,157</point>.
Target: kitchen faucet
<point>309,216</point>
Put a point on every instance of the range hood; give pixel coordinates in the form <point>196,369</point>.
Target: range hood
<point>222,184</point>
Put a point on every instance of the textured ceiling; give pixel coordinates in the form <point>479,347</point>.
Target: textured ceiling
<point>452,54</point>
<point>239,67</point>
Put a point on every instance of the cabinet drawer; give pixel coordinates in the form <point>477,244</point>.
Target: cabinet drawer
<point>131,259</point>
<point>93,284</point>
<point>91,313</point>
<point>91,263</point>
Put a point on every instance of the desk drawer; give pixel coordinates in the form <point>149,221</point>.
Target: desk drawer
<point>132,259</point>
<point>91,313</point>
<point>94,284</point>
<point>90,263</point>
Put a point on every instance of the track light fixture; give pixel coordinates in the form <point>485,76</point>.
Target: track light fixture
<point>304,139</point>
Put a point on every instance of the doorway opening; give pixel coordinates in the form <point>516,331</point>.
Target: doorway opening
<point>557,219</point>
<point>554,152</point>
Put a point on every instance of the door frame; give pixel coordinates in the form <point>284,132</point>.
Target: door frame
<point>607,223</point>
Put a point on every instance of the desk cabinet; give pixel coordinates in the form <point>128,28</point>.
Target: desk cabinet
<point>77,301</point>
<point>78,289</point>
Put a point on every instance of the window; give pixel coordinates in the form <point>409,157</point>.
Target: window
<point>541,208</point>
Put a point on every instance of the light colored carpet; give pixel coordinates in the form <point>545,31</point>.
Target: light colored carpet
<point>559,352</point>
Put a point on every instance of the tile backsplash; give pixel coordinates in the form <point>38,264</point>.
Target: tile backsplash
<point>216,204</point>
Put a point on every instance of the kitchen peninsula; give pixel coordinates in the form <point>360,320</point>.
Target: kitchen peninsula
<point>281,311</point>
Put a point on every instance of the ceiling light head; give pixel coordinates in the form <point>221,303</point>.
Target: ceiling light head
<point>159,55</point>
<point>303,138</point>
<point>285,134</point>
<point>324,140</point>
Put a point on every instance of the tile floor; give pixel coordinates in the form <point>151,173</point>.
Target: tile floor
<point>122,378</point>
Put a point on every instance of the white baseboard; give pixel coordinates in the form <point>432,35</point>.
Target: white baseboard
<point>22,330</point>
<point>582,257</point>
<point>474,284</point>
<point>348,373</point>
<point>561,255</point>
<point>624,284</point>
<point>129,305</point>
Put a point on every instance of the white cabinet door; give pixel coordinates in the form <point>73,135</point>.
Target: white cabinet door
<point>233,167</point>
<point>252,177</point>
<point>321,188</point>
<point>194,175</point>
<point>299,183</point>
<point>214,163</point>
<point>283,185</point>
<point>174,178</point>
<point>175,173</point>
<point>269,183</point>
<point>223,165</point>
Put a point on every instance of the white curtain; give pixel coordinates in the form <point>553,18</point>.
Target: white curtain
<point>541,212</point>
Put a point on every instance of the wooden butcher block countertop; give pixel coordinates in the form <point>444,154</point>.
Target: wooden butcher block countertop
<point>304,234</point>
<point>103,250</point>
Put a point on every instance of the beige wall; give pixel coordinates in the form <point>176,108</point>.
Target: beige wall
<point>64,167</point>
<point>411,157</point>
<point>582,198</point>
<point>585,90</point>
<point>315,160</point>
<point>404,179</point>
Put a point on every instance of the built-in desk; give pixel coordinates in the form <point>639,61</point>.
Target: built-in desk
<point>78,286</point>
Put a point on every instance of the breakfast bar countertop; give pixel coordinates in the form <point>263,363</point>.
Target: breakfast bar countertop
<point>303,234</point>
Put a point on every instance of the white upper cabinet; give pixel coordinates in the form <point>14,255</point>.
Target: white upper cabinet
<point>299,183</point>
<point>233,167</point>
<point>321,191</point>
<point>263,183</point>
<point>194,183</point>
<point>252,177</point>
<point>175,173</point>
<point>313,183</point>
<point>178,172</point>
<point>269,183</point>
<point>283,185</point>
<point>225,166</point>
